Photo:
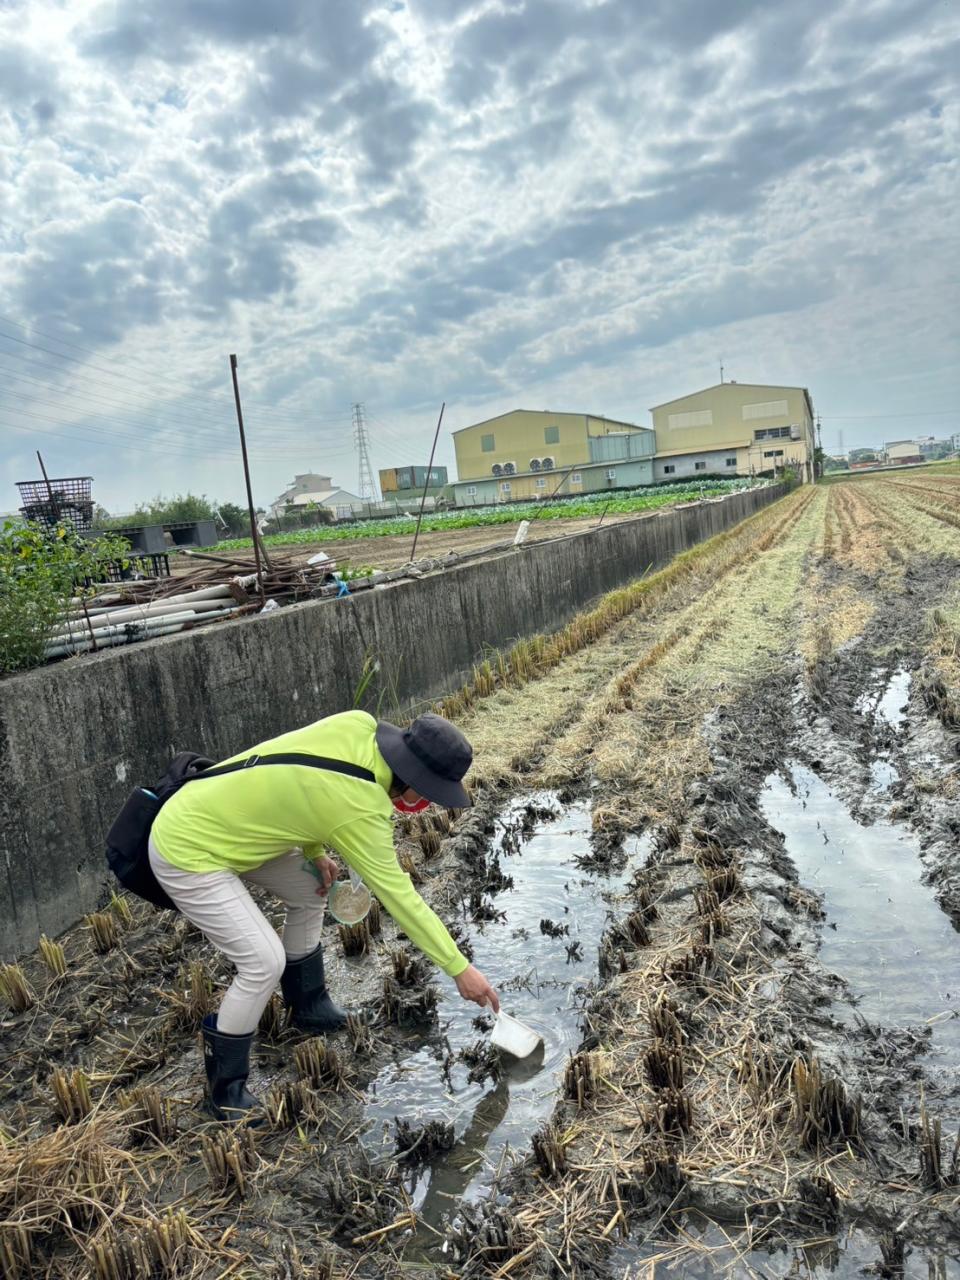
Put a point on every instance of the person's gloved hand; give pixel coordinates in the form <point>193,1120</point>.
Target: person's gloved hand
<point>472,985</point>
<point>329,870</point>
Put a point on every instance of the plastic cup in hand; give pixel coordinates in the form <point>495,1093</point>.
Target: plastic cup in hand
<point>348,902</point>
<point>513,1037</point>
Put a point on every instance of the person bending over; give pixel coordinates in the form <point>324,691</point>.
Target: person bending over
<point>216,836</point>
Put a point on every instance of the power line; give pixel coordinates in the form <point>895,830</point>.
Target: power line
<point>100,397</point>
<point>149,371</point>
<point>185,430</point>
<point>290,417</point>
<point>870,417</point>
<point>94,435</point>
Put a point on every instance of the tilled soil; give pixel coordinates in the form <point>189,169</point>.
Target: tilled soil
<point>726,1081</point>
<point>392,551</point>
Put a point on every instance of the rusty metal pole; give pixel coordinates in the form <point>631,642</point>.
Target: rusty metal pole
<point>436,437</point>
<point>246,475</point>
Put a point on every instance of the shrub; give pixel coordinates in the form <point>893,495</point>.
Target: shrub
<point>40,570</point>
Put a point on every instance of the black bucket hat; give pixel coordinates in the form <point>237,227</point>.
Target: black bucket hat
<point>431,755</point>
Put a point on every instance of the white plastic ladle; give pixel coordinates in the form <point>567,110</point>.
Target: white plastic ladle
<point>513,1036</point>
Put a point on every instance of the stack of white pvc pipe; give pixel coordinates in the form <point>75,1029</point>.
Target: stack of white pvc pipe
<point>111,625</point>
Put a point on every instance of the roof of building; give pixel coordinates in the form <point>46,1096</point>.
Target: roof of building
<point>702,449</point>
<point>759,386</point>
<point>553,413</point>
<point>322,496</point>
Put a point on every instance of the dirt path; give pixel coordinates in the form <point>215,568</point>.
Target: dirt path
<point>716,791</point>
<point>393,551</point>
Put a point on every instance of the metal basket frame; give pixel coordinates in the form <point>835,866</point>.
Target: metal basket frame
<point>64,500</point>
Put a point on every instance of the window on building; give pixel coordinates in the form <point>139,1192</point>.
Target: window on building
<point>471,490</point>
<point>669,469</point>
<point>576,478</point>
<point>541,483</point>
<point>487,444</point>
<point>773,453</point>
<point>772,433</point>
<point>730,462</point>
<point>699,466</point>
<point>551,435</point>
<point>504,486</point>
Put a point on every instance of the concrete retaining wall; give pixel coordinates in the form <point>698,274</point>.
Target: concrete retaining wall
<point>76,736</point>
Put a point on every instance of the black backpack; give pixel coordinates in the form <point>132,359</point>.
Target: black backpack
<point>128,854</point>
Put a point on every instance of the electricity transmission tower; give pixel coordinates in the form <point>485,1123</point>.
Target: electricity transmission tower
<point>366,486</point>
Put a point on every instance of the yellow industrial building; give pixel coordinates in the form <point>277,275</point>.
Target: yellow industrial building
<point>737,429</point>
<point>533,453</point>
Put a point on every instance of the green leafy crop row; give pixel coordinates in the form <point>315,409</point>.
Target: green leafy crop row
<point>622,502</point>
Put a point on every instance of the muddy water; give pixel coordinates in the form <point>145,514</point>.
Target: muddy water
<point>888,709</point>
<point>538,984</point>
<point>883,933</point>
<point>718,1251</point>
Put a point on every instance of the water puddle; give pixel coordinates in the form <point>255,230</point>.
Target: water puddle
<point>888,708</point>
<point>704,1251</point>
<point>892,707</point>
<point>884,933</point>
<point>537,975</point>
<point>887,704</point>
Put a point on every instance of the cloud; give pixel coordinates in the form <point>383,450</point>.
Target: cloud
<point>480,200</point>
<point>130,30</point>
<point>99,275</point>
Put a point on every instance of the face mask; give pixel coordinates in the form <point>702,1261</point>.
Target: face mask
<point>401,805</point>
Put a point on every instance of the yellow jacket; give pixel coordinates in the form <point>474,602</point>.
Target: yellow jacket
<point>241,820</point>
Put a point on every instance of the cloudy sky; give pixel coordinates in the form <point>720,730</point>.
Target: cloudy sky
<point>565,204</point>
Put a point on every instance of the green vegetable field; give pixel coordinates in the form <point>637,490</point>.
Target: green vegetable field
<point>623,502</point>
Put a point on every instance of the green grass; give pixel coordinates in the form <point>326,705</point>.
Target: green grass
<point>618,503</point>
<point>930,468</point>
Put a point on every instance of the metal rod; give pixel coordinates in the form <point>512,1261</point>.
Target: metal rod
<point>53,502</point>
<point>566,475</point>
<point>246,475</point>
<point>426,483</point>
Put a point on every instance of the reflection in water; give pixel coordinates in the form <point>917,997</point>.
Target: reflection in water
<point>538,974</point>
<point>449,1180</point>
<point>708,1251</point>
<point>884,932</point>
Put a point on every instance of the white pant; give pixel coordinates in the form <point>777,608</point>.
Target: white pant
<point>220,905</point>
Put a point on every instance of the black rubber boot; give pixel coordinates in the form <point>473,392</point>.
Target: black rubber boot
<point>305,991</point>
<point>227,1062</point>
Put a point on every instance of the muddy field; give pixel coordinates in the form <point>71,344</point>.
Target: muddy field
<point>714,859</point>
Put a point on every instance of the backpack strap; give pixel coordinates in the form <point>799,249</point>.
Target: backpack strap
<point>289,757</point>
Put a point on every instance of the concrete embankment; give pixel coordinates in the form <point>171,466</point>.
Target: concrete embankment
<point>76,736</point>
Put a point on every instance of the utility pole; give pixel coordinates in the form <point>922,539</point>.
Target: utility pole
<point>258,549</point>
<point>366,487</point>
<point>721,371</point>
<point>813,461</point>
<point>426,486</point>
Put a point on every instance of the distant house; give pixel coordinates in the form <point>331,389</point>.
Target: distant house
<point>903,452</point>
<point>308,482</point>
<point>316,490</point>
